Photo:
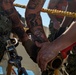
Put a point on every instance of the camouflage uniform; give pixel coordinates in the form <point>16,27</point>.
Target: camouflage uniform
<point>5,30</point>
<point>71,60</point>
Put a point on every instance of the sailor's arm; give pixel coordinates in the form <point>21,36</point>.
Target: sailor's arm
<point>10,10</point>
<point>34,20</point>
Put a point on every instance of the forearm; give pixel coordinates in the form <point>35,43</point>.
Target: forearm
<point>53,18</point>
<point>71,8</point>
<point>33,18</point>
<point>52,5</point>
<point>67,38</point>
<point>13,15</point>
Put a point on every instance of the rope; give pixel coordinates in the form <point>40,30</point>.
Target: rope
<point>52,11</point>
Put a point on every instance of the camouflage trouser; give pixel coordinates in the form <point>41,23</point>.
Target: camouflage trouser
<point>71,67</point>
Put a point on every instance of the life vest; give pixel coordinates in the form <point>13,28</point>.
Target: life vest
<point>61,6</point>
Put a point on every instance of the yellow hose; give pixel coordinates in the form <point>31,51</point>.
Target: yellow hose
<point>52,11</point>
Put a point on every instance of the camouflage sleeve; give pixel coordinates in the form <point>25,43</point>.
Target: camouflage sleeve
<point>33,18</point>
<point>9,9</point>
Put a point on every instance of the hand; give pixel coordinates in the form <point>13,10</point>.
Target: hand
<point>45,54</point>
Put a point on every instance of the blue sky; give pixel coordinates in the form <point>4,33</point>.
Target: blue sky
<point>45,18</point>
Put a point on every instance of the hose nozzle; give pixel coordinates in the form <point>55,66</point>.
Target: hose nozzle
<point>56,63</point>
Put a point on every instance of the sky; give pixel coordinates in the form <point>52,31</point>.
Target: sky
<point>45,17</point>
